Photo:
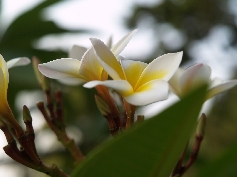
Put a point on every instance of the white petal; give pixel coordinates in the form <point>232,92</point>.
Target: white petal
<point>150,92</point>
<point>3,89</point>
<point>195,76</point>
<point>119,57</point>
<point>174,82</point>
<point>162,67</point>
<point>61,69</point>
<point>77,52</point>
<point>107,60</point>
<point>72,81</point>
<point>90,67</point>
<point>21,61</point>
<point>3,66</point>
<point>109,42</point>
<point>133,70</point>
<point>104,75</point>
<point>121,86</point>
<point>122,43</point>
<point>221,88</point>
<point>215,82</point>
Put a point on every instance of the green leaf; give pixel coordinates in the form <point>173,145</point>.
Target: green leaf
<point>224,166</point>
<point>149,149</point>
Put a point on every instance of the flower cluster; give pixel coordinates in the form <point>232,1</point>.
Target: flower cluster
<point>137,82</point>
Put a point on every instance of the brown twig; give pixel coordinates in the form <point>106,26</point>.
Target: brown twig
<point>24,142</point>
<point>26,155</point>
<point>68,143</point>
<point>130,111</point>
<point>107,113</point>
<point>21,157</point>
<point>29,129</point>
<point>6,132</point>
<point>193,155</point>
<point>114,113</point>
<point>179,165</point>
<point>180,169</point>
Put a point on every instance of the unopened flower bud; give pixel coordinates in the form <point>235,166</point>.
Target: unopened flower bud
<point>102,106</point>
<point>43,81</point>
<point>26,114</point>
<point>201,125</point>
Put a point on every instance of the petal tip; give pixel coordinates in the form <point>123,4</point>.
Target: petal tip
<point>180,53</point>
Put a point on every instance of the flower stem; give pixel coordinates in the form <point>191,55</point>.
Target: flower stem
<point>27,156</point>
<point>10,120</point>
<point>114,118</point>
<point>130,111</point>
<point>180,169</point>
<point>104,93</point>
<point>21,157</point>
<point>61,134</point>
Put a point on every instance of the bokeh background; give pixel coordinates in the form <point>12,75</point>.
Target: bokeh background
<point>206,30</point>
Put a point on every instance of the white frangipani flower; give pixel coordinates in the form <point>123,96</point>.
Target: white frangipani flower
<point>4,77</point>
<point>83,66</point>
<point>185,81</point>
<point>5,110</point>
<point>137,82</point>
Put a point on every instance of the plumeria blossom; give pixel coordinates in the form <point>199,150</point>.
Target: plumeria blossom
<point>75,71</point>
<point>4,77</point>
<point>5,110</point>
<point>185,81</point>
<point>137,82</point>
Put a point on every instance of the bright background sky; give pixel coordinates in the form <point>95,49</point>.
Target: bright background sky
<point>107,18</point>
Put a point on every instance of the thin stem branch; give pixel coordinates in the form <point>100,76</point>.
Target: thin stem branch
<point>68,143</point>
<point>21,157</point>
<point>179,165</point>
<point>193,155</point>
<point>104,93</point>
<point>10,120</point>
<point>130,111</point>
<point>180,169</point>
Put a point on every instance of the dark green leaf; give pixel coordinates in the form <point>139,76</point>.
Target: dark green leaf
<point>149,149</point>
